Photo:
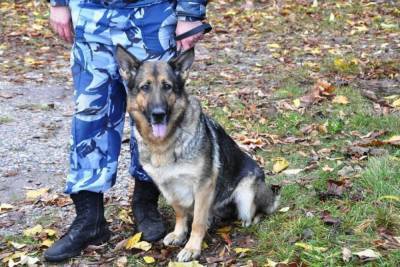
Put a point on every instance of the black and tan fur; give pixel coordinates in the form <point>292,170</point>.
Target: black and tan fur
<point>198,168</point>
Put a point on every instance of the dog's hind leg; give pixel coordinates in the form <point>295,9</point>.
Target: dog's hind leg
<point>244,199</point>
<point>203,199</point>
<point>178,236</point>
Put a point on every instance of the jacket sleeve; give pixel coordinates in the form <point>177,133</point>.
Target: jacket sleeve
<point>191,9</point>
<point>58,2</point>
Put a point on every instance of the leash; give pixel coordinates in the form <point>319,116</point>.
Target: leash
<point>205,28</point>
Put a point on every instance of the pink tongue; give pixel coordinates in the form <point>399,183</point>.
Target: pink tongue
<point>159,130</point>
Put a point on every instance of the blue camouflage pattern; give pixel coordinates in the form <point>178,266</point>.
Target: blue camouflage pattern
<point>100,98</point>
<point>193,9</point>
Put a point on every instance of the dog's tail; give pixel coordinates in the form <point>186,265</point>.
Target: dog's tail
<point>267,197</point>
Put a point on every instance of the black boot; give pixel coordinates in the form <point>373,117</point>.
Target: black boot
<point>88,228</point>
<point>144,206</point>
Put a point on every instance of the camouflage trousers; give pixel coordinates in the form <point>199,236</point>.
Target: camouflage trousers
<point>148,32</point>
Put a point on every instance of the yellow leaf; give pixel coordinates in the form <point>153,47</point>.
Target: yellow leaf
<point>124,216</point>
<point>185,264</point>
<point>396,103</point>
<point>33,194</point>
<point>273,46</point>
<point>271,263</point>
<point>297,102</point>
<point>143,245</point>
<point>5,206</point>
<point>241,250</point>
<point>280,164</point>
<point>50,232</point>
<point>47,243</point>
<point>16,245</point>
<point>340,99</point>
<point>13,256</point>
<point>332,17</point>
<point>204,245</point>
<point>132,241</point>
<point>308,247</point>
<point>148,259</point>
<point>37,229</point>
<point>224,230</point>
<point>389,197</point>
<point>388,26</point>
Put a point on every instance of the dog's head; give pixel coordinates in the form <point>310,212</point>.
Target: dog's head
<point>156,94</point>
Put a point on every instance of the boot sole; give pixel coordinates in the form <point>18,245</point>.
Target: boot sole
<point>104,237</point>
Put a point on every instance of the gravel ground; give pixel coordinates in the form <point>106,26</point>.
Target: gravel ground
<point>34,129</point>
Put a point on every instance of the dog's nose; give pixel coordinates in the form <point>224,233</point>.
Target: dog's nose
<point>158,115</point>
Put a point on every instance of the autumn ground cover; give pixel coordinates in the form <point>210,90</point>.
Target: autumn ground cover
<point>309,88</point>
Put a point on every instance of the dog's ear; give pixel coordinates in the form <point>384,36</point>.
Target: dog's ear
<point>128,63</point>
<point>182,63</point>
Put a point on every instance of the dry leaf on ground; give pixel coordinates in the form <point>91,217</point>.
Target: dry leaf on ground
<point>367,255</point>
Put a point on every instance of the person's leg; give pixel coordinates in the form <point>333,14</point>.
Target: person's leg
<point>97,125</point>
<point>149,34</point>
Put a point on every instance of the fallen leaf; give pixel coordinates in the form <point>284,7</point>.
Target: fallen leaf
<point>285,209</point>
<point>16,245</point>
<point>143,245</point>
<point>224,230</point>
<point>340,99</point>
<point>148,259</point>
<point>47,243</point>
<point>185,264</point>
<point>290,172</point>
<point>367,255</point>
<point>297,103</point>
<point>346,254</point>
<point>273,46</point>
<point>50,232</point>
<point>5,207</point>
<point>332,17</point>
<point>132,241</point>
<point>396,103</point>
<point>33,194</point>
<point>394,140</point>
<point>328,219</point>
<point>122,261</point>
<point>309,247</point>
<point>241,250</point>
<point>124,216</point>
<point>389,197</point>
<point>28,260</point>
<point>280,164</point>
<point>37,229</point>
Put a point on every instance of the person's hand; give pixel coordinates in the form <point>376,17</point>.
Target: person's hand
<point>60,21</point>
<point>189,42</point>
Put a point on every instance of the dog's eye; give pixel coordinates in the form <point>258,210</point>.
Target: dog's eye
<point>167,86</point>
<point>145,87</point>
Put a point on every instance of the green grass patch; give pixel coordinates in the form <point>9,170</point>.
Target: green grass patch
<point>360,220</point>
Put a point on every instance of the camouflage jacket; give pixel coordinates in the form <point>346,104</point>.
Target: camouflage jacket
<point>189,10</point>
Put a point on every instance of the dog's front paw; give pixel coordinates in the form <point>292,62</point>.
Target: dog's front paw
<point>174,239</point>
<point>187,254</point>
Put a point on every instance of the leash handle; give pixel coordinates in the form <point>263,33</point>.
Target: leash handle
<point>205,28</point>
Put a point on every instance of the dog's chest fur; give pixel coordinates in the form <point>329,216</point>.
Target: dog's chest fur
<point>175,168</point>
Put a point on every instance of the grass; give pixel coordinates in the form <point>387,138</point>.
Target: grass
<point>380,177</point>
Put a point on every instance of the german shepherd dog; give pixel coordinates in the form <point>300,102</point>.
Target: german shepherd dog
<point>198,168</point>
